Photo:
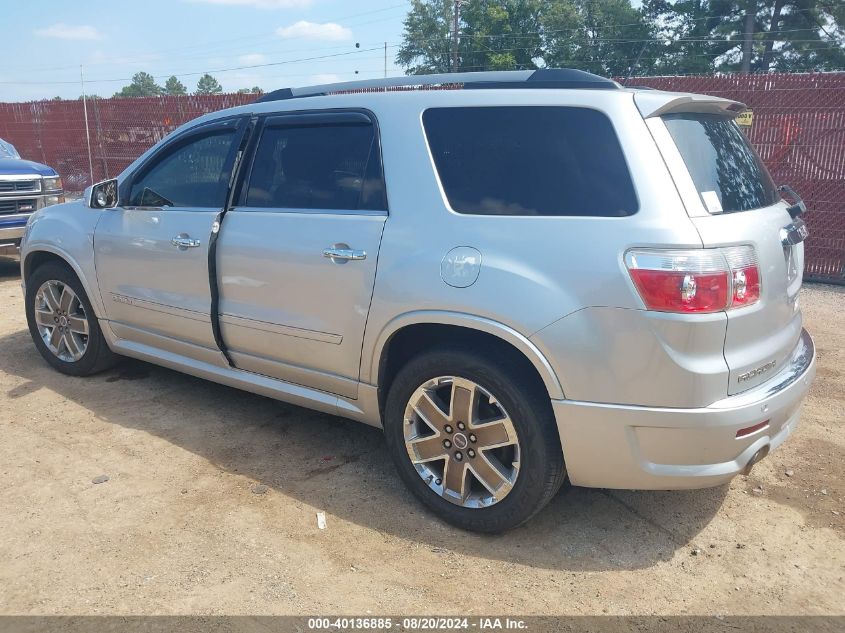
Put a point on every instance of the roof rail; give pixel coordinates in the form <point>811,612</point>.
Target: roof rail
<point>549,78</point>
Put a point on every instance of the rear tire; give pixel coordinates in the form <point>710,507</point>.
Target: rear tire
<point>508,426</point>
<point>62,322</point>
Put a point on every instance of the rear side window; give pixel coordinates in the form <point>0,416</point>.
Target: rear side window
<point>526,160</point>
<point>727,172</point>
<point>317,167</point>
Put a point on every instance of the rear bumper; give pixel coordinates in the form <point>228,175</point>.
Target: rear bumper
<point>622,446</point>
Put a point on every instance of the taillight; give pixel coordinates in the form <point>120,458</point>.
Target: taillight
<point>700,280</point>
<point>745,275</point>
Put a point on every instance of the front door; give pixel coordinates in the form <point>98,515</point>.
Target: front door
<point>151,253</point>
<point>297,256</point>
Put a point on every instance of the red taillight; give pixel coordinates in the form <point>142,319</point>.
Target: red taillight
<point>702,280</point>
<point>671,291</point>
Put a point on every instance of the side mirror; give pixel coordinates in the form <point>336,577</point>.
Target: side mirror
<point>103,195</point>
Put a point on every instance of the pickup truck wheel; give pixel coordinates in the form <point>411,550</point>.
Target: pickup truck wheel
<point>62,322</point>
<point>474,439</point>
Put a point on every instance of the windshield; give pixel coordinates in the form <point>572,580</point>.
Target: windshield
<point>7,150</point>
<point>727,172</point>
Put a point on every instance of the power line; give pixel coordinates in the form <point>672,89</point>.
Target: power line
<point>202,72</point>
<point>214,47</point>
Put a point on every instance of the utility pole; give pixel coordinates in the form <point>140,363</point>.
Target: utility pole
<point>385,60</point>
<point>455,36</point>
<point>87,133</point>
<point>747,36</point>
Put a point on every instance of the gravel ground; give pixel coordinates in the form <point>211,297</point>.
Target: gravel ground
<point>211,496</point>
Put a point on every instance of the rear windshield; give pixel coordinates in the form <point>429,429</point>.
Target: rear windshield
<point>527,160</point>
<point>727,172</point>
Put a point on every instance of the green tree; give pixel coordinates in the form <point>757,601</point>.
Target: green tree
<point>524,34</point>
<point>702,36</point>
<point>255,90</point>
<point>143,85</point>
<point>500,35</point>
<point>612,37</point>
<point>208,85</point>
<point>426,44</point>
<point>606,37</point>
<point>174,87</point>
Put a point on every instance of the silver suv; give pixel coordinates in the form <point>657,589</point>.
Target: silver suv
<point>525,277</point>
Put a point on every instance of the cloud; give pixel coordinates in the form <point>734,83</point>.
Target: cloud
<point>261,4</point>
<point>313,31</point>
<point>70,32</point>
<point>251,59</point>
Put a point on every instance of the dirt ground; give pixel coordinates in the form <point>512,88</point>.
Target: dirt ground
<point>211,500</point>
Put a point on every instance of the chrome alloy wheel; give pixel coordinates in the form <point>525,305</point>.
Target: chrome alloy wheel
<point>61,320</point>
<point>462,442</point>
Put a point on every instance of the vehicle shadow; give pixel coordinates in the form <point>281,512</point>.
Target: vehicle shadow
<point>10,268</point>
<point>343,467</point>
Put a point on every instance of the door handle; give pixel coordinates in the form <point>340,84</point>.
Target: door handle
<point>344,254</point>
<point>184,241</point>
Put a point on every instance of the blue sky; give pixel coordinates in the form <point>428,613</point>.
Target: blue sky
<point>44,43</point>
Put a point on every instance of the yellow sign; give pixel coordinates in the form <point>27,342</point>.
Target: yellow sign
<point>745,119</point>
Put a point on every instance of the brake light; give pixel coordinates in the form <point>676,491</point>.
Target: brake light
<point>695,281</point>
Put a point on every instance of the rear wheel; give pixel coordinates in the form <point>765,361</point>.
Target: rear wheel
<point>62,322</point>
<point>474,438</point>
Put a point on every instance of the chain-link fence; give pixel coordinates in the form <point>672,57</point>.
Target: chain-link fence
<point>797,125</point>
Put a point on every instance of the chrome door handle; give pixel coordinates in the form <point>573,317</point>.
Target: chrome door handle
<point>183,241</point>
<point>344,254</point>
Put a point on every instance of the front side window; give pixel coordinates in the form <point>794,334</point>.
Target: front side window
<point>335,166</point>
<point>727,172</point>
<point>193,174</point>
<point>532,161</point>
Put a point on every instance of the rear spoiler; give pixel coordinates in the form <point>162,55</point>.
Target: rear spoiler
<point>652,103</point>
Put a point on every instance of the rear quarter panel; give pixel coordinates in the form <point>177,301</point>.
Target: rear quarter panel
<point>534,270</point>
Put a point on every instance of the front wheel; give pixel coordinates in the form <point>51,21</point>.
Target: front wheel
<point>474,438</point>
<point>62,322</point>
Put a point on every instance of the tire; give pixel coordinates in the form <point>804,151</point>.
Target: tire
<point>76,353</point>
<point>513,392</point>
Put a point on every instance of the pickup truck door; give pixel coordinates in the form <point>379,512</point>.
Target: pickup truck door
<point>151,253</point>
<point>297,255</point>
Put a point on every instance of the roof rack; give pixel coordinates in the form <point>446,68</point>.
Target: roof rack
<point>549,78</point>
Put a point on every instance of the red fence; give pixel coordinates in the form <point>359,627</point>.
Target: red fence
<point>798,128</point>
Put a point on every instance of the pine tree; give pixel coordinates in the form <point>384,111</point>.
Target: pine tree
<point>208,85</point>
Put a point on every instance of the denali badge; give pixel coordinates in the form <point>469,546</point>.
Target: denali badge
<point>762,369</point>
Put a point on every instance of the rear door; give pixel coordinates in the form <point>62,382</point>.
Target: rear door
<point>297,256</point>
<point>732,201</point>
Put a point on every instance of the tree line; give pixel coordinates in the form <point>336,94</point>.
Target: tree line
<point>614,37</point>
<point>144,85</point>
<point>607,37</point>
